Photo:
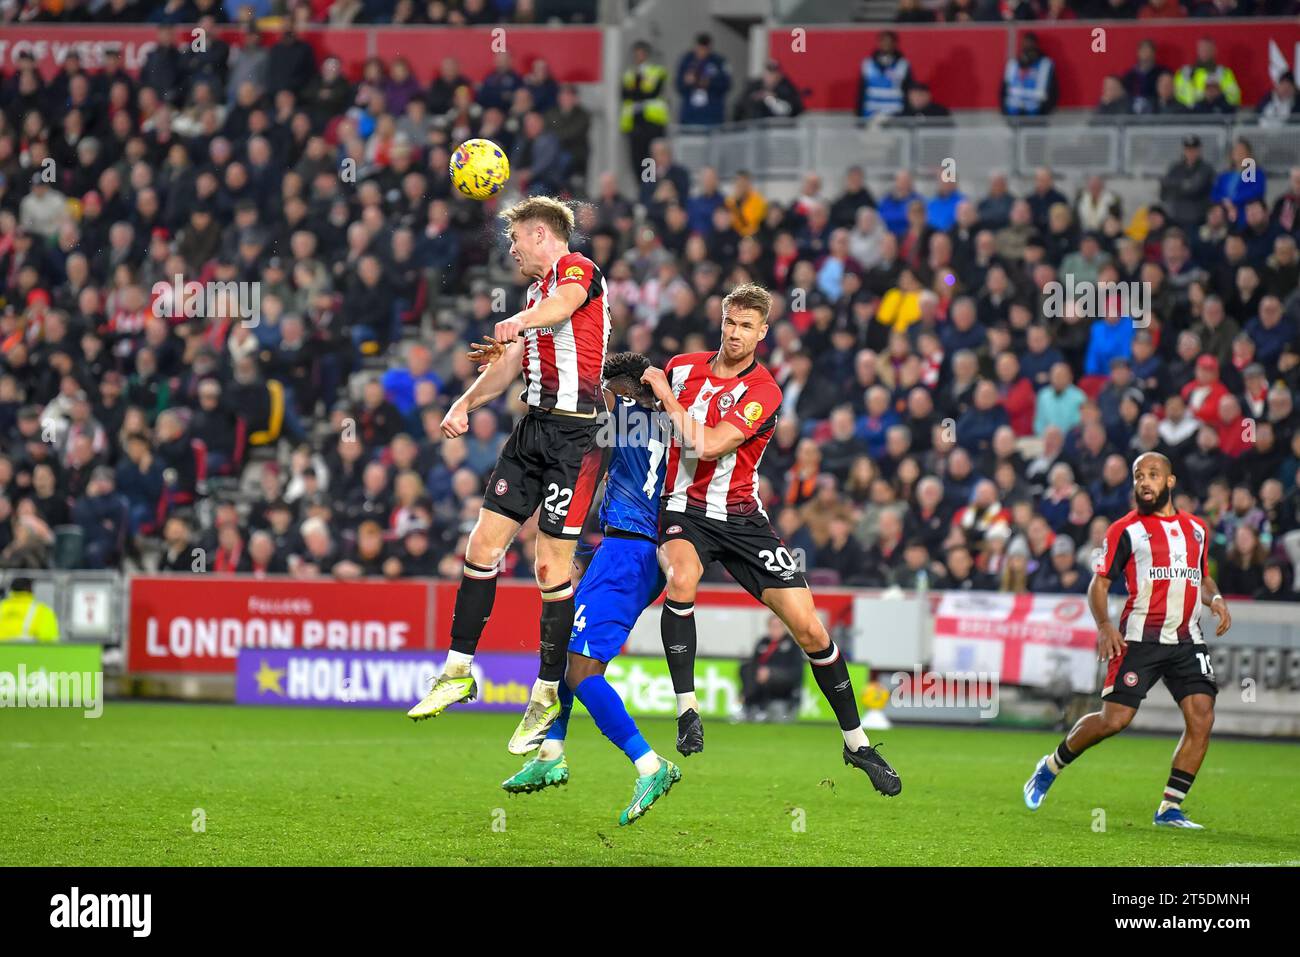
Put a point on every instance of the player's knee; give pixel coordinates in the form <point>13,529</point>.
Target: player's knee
<point>1200,722</point>
<point>1114,721</point>
<point>810,634</point>
<point>579,670</point>
<point>683,580</point>
<point>483,554</point>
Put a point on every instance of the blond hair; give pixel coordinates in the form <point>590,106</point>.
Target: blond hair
<point>748,295</point>
<point>550,212</point>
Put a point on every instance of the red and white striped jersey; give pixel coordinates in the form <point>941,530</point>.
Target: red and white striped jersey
<point>1162,560</point>
<point>727,486</point>
<point>562,363</point>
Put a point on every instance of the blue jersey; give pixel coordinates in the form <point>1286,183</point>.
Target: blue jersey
<point>636,471</point>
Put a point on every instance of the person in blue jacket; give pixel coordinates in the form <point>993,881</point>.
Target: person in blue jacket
<point>703,79</point>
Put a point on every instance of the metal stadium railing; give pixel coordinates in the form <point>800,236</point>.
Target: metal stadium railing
<point>829,144</point>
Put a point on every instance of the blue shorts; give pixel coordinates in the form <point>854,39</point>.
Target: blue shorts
<point>622,580</point>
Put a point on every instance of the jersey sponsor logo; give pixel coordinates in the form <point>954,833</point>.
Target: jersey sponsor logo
<point>1157,574</point>
<point>502,486</point>
<point>752,412</point>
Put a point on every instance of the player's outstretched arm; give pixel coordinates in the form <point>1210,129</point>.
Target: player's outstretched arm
<point>710,442</point>
<point>1110,643</point>
<point>491,383</point>
<point>551,311</point>
<point>1211,598</point>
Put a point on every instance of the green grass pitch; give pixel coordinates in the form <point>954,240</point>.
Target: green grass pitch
<point>321,787</point>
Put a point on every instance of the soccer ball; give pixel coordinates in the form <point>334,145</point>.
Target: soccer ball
<point>479,169</point>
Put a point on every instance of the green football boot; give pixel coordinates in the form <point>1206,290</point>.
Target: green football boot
<point>650,788</point>
<point>538,774</point>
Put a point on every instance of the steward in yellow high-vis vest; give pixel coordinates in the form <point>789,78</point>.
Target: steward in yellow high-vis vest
<point>644,115</point>
<point>22,617</point>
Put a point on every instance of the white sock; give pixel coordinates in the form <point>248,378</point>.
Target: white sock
<point>648,763</point>
<point>551,749</point>
<point>457,665</point>
<point>1052,765</point>
<point>856,738</point>
<point>545,691</point>
<point>686,702</point>
<point>1166,805</point>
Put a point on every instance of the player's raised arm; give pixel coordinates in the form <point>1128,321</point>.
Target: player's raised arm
<point>551,311</point>
<point>712,442</point>
<point>493,381</point>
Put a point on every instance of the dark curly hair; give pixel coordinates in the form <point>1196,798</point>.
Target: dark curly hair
<point>626,368</point>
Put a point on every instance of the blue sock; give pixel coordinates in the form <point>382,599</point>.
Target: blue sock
<point>560,730</point>
<point>606,707</point>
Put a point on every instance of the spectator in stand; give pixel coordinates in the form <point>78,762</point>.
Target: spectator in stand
<point>538,162</point>
<point>844,212</point>
<point>912,11</point>
<point>1213,103</point>
<point>960,573</point>
<point>920,104</point>
<point>1204,392</point>
<point>770,679</point>
<point>770,95</point>
<point>995,208</point>
<point>1029,86</point>
<point>883,78</point>
<point>1140,79</point>
<point>894,204</point>
<point>103,516</point>
<point>1164,103</point>
<point>1114,100</point>
<point>1191,80</point>
<point>1186,186</point>
<point>498,88</point>
<point>644,115</point>
<point>1061,574</point>
<point>1280,104</point>
<point>1241,573</point>
<point>746,205</point>
<point>1059,402</point>
<point>941,209</point>
<point>703,79</point>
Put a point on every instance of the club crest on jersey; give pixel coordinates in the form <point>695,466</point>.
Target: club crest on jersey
<point>502,486</point>
<point>1198,534</point>
<point>752,412</point>
<point>673,529</point>
<point>1131,679</point>
<point>726,402</point>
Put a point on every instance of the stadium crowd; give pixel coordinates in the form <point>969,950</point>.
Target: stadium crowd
<point>302,12</point>
<point>948,422</point>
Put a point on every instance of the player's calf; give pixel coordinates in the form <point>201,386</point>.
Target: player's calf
<point>682,570</point>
